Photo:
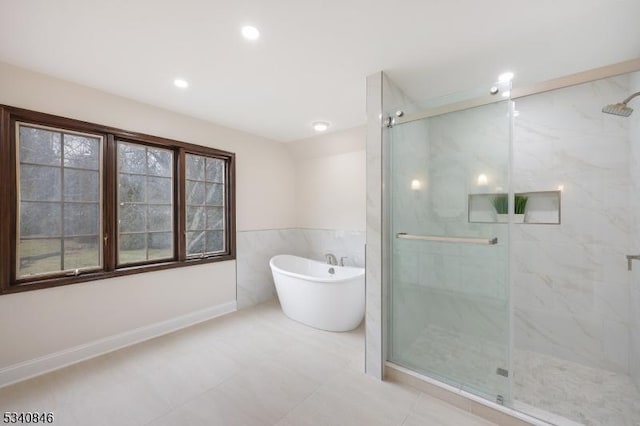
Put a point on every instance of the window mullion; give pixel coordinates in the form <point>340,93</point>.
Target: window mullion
<point>8,199</point>
<point>230,205</point>
<point>180,212</point>
<point>110,205</point>
<point>62,206</point>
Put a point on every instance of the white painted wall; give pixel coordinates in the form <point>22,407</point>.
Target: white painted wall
<point>264,170</point>
<point>37,323</point>
<point>330,180</point>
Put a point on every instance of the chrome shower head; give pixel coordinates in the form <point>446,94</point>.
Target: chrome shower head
<point>621,108</point>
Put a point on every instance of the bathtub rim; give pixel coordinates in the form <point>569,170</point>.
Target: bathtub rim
<point>274,268</point>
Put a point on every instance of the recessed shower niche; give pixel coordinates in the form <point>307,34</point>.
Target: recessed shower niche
<point>540,207</point>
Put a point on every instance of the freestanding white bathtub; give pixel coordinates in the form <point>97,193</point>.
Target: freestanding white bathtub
<point>309,293</point>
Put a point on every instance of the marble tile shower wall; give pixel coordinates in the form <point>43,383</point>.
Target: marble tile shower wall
<point>255,248</point>
<point>634,124</point>
<point>570,283</point>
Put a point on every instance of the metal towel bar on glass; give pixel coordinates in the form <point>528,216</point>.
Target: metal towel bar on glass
<point>464,240</point>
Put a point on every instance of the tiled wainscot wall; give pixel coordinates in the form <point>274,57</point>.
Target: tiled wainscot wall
<point>255,248</point>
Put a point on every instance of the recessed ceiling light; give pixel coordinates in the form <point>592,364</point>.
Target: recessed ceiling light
<point>178,82</point>
<point>250,33</point>
<point>320,126</point>
<point>505,77</point>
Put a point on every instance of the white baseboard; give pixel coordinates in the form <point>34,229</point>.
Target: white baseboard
<point>38,366</point>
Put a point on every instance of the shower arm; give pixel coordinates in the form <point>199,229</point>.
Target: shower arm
<point>630,97</point>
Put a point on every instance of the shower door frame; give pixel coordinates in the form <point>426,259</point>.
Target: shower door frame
<point>387,232</point>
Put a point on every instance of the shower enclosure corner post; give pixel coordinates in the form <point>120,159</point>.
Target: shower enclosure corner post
<point>510,257</point>
<point>374,320</point>
<point>382,96</point>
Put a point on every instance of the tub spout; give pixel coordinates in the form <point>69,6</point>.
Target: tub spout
<point>331,259</point>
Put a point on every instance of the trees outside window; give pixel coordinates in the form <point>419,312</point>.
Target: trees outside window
<point>58,201</point>
<point>205,205</point>
<point>145,203</point>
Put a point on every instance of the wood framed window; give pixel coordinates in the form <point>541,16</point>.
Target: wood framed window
<point>81,201</point>
<point>206,221</point>
<point>58,187</point>
<point>145,203</point>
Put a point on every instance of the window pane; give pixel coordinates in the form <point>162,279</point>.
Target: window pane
<point>195,218</point>
<point>215,193</point>
<point>132,158</point>
<point>81,185</point>
<point>215,170</point>
<point>160,190</point>
<point>81,152</point>
<point>205,205</point>
<point>159,162</point>
<point>195,243</point>
<point>58,200</point>
<point>131,217</point>
<point>160,218</point>
<point>39,256</point>
<point>215,218</point>
<point>195,192</point>
<point>145,203</point>
<point>81,219</point>
<point>215,241</point>
<point>39,183</point>
<point>132,248</point>
<point>132,188</point>
<point>80,252</point>
<point>195,167</point>
<point>40,146</point>
<point>40,219</point>
<point>160,245</point>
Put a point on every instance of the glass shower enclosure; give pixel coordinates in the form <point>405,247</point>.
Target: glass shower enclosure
<point>539,312</point>
<point>448,172</point>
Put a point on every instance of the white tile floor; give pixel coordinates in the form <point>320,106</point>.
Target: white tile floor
<point>253,367</point>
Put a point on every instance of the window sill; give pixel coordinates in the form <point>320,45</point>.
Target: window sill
<point>21,286</point>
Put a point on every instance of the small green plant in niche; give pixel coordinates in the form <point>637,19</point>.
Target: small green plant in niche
<point>520,204</point>
<point>501,203</point>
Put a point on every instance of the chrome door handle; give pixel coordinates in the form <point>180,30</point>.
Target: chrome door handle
<point>631,257</point>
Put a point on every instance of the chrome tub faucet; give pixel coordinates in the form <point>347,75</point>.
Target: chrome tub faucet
<point>331,259</point>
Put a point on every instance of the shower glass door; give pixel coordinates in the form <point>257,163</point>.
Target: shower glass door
<point>449,313</point>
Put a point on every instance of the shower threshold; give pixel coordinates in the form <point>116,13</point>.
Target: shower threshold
<point>462,399</point>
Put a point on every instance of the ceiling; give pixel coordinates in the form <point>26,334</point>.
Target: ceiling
<point>313,57</point>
